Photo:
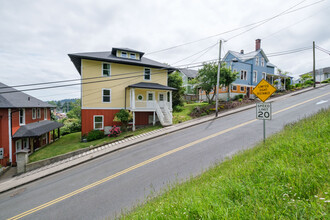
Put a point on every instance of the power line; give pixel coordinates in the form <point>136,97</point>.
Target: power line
<point>323,50</point>
<point>236,29</point>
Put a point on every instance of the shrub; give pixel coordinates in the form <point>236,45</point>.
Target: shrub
<point>178,108</point>
<point>326,81</point>
<point>240,100</point>
<point>115,131</point>
<point>123,116</point>
<point>297,85</point>
<point>240,96</point>
<point>308,82</point>
<point>95,135</point>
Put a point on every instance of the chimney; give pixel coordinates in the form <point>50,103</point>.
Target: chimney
<point>258,43</point>
<point>242,51</point>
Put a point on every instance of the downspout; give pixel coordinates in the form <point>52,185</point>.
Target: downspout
<point>125,97</point>
<point>10,135</point>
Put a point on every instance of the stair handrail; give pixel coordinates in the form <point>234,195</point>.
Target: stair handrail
<point>159,113</point>
<point>168,113</point>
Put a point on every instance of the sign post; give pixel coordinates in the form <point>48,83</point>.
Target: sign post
<point>264,110</point>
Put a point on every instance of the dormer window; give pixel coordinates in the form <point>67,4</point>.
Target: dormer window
<point>123,54</point>
<point>132,55</point>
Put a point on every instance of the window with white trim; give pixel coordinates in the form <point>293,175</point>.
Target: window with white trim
<point>21,116</point>
<point>106,95</point>
<point>132,55</point>
<point>45,113</point>
<point>233,87</point>
<point>147,74</point>
<point>255,73</point>
<point>18,145</point>
<point>38,113</point>
<point>106,69</point>
<point>161,97</point>
<point>257,61</point>
<point>243,74</point>
<point>140,97</point>
<point>123,54</point>
<point>242,88</point>
<point>264,75</point>
<point>150,96</point>
<point>34,113</point>
<point>98,122</point>
<point>262,61</point>
<point>25,143</point>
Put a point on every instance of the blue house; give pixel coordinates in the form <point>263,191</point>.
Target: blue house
<point>251,68</point>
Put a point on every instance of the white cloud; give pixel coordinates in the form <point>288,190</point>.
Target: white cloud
<point>36,36</point>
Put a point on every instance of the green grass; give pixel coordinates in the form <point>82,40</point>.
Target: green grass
<point>287,178</point>
<point>184,115</point>
<point>71,142</point>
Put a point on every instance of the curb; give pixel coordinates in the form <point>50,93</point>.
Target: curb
<point>100,151</point>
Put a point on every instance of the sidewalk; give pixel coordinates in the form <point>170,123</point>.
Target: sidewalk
<point>8,182</point>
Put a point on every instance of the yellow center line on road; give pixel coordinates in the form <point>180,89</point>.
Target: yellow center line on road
<point>38,208</point>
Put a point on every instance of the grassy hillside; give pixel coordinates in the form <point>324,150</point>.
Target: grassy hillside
<point>287,178</point>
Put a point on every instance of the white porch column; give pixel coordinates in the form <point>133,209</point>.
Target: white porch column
<point>133,121</point>
<point>284,83</point>
<point>133,98</point>
<point>154,119</point>
<point>171,99</point>
<point>272,80</point>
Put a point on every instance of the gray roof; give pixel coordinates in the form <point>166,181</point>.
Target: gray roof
<point>13,98</point>
<point>189,72</point>
<point>107,56</point>
<point>145,85</point>
<point>247,56</point>
<point>36,129</point>
<point>270,64</point>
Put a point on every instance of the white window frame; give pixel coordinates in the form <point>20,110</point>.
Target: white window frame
<point>242,87</point>
<point>34,113</point>
<point>262,61</point>
<point>106,95</point>
<point>122,54</point>
<point>25,141</point>
<point>23,116</point>
<point>132,56</point>
<point>153,96</point>
<point>38,113</point>
<point>106,69</point>
<point>264,75</point>
<point>257,61</point>
<point>144,74</point>
<point>137,99</point>
<point>232,87</point>
<point>243,75</point>
<point>98,122</point>
<point>45,113</point>
<point>255,74</point>
<point>164,96</point>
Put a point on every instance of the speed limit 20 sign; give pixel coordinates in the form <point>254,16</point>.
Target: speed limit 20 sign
<point>264,111</point>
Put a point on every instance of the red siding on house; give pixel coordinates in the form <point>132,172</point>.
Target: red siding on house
<point>4,138</point>
<point>87,118</point>
<point>4,129</point>
<point>142,118</point>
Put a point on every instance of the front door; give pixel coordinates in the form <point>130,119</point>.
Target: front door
<point>248,92</point>
<point>161,99</point>
<point>150,99</point>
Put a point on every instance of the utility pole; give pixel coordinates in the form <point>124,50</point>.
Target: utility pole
<point>218,80</point>
<point>314,63</point>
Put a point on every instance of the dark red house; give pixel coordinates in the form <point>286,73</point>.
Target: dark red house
<point>24,123</point>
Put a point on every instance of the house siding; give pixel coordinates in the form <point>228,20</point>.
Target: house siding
<point>4,138</point>
<point>92,92</point>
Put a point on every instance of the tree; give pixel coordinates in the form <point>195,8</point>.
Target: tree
<point>208,78</point>
<point>123,116</point>
<point>175,81</point>
<point>75,112</point>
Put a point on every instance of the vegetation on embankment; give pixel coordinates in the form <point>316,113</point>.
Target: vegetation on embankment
<point>286,178</point>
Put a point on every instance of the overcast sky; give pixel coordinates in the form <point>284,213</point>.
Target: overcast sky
<point>36,36</point>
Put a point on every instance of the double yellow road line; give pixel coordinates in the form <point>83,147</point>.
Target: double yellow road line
<point>45,205</point>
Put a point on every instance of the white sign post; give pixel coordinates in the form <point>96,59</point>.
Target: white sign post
<point>264,112</point>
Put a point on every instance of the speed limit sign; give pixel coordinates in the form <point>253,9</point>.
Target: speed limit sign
<point>264,111</point>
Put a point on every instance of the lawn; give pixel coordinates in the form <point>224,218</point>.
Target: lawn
<point>72,142</point>
<point>285,178</point>
<point>184,115</point>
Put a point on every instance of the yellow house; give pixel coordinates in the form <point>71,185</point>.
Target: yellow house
<point>122,79</point>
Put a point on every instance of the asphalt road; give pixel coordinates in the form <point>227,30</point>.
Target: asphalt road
<point>128,177</point>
